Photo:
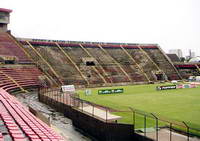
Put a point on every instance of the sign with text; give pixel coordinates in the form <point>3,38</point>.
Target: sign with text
<point>168,87</point>
<point>68,88</point>
<point>111,91</point>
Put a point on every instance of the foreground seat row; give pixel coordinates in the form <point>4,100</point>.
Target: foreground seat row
<point>18,124</point>
<point>12,78</point>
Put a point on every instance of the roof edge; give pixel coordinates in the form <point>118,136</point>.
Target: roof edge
<point>5,10</point>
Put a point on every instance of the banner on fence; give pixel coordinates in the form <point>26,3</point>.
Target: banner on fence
<point>167,87</point>
<point>88,92</point>
<point>68,88</point>
<point>111,91</point>
<point>181,86</point>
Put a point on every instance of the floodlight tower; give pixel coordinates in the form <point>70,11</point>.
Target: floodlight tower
<point>4,19</point>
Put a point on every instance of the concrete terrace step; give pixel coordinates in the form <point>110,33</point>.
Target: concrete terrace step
<point>99,113</point>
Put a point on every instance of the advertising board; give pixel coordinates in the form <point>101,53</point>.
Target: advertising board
<point>111,91</point>
<point>167,87</point>
<point>68,88</point>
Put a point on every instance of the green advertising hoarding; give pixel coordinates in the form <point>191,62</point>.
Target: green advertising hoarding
<point>111,91</point>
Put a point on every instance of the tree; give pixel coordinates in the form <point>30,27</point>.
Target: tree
<point>182,59</point>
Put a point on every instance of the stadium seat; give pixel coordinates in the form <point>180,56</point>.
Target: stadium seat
<point>22,124</point>
<point>10,48</point>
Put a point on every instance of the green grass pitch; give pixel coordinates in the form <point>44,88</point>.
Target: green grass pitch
<point>177,104</point>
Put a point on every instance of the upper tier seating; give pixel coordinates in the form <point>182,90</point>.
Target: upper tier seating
<point>161,60</point>
<point>136,62</point>
<point>8,47</point>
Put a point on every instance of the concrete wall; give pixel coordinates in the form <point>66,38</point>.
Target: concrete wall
<point>4,20</point>
<point>102,131</point>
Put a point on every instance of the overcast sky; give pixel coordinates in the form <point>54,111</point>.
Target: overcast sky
<point>173,24</point>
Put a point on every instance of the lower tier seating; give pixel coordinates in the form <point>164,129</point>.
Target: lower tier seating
<point>16,78</point>
<point>18,124</point>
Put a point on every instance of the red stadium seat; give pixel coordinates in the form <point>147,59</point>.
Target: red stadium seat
<point>22,124</point>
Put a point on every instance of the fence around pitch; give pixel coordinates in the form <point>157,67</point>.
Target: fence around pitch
<point>73,100</point>
<point>149,125</point>
<point>152,126</point>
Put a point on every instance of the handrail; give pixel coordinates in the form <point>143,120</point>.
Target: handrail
<point>49,77</point>
<point>115,62</point>
<point>197,67</point>
<point>93,66</point>
<point>97,62</point>
<point>45,61</point>
<point>9,77</point>
<point>140,68</point>
<point>68,57</point>
<point>19,45</point>
<point>26,52</point>
<point>170,62</point>
<point>144,52</point>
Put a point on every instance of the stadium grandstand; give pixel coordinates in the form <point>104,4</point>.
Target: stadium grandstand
<point>188,69</point>
<point>91,63</point>
<point>16,122</point>
<point>27,64</point>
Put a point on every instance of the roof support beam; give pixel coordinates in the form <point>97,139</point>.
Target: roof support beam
<point>51,68</point>
<point>94,68</point>
<point>140,68</point>
<point>116,63</point>
<point>68,57</point>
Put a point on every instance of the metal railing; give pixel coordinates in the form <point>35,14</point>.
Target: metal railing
<point>149,125</point>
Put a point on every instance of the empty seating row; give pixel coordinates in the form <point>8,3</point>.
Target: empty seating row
<point>21,124</point>
<point>14,78</point>
<point>9,47</point>
<point>111,60</point>
<point>161,60</point>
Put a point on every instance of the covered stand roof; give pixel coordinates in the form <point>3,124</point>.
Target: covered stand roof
<point>5,10</point>
<point>195,60</point>
<point>174,57</point>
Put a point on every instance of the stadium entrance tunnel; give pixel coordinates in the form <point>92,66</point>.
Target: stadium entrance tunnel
<point>8,59</point>
<point>90,63</point>
<point>9,62</point>
<point>160,76</point>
